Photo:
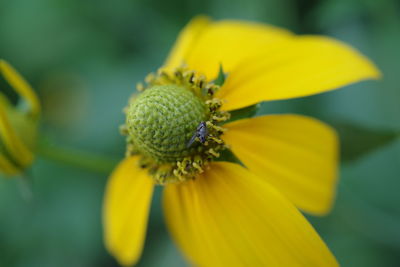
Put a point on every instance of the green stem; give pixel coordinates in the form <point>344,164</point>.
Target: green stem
<point>76,157</point>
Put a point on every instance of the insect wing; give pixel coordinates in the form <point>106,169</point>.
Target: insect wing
<point>191,141</point>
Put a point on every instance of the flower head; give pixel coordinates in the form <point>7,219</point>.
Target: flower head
<point>222,213</point>
<point>18,124</point>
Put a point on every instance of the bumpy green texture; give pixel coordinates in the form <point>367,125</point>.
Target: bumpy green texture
<point>161,121</point>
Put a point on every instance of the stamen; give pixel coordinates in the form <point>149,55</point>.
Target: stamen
<point>140,87</point>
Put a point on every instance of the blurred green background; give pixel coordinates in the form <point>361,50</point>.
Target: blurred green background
<point>84,59</point>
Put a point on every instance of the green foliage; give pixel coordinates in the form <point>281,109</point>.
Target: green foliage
<point>243,113</point>
<point>221,76</point>
<point>357,141</point>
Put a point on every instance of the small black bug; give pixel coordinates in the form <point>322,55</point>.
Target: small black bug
<point>201,133</point>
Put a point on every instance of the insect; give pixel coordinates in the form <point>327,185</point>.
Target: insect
<point>201,133</point>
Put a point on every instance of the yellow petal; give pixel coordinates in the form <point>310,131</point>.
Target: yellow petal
<point>12,142</point>
<point>186,41</point>
<point>126,209</point>
<point>7,167</point>
<point>309,65</point>
<point>296,154</point>
<point>19,84</point>
<point>230,217</point>
<point>225,42</point>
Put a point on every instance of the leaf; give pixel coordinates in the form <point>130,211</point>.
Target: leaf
<point>227,155</point>
<point>243,113</point>
<point>357,141</point>
<point>221,76</point>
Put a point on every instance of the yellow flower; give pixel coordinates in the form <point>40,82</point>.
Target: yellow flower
<point>18,125</point>
<point>222,213</point>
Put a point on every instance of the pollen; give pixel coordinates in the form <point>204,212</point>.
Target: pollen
<point>175,124</point>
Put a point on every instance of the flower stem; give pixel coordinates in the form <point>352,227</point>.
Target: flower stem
<point>75,157</point>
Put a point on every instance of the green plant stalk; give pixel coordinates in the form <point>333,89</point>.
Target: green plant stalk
<point>75,157</point>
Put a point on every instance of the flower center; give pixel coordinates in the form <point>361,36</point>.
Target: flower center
<point>174,125</point>
<point>162,120</point>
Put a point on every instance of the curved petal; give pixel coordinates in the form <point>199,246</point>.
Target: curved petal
<point>7,167</point>
<point>224,42</point>
<point>12,142</point>
<point>230,217</point>
<point>296,154</point>
<point>185,41</point>
<point>125,211</point>
<point>21,86</point>
<point>309,65</point>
